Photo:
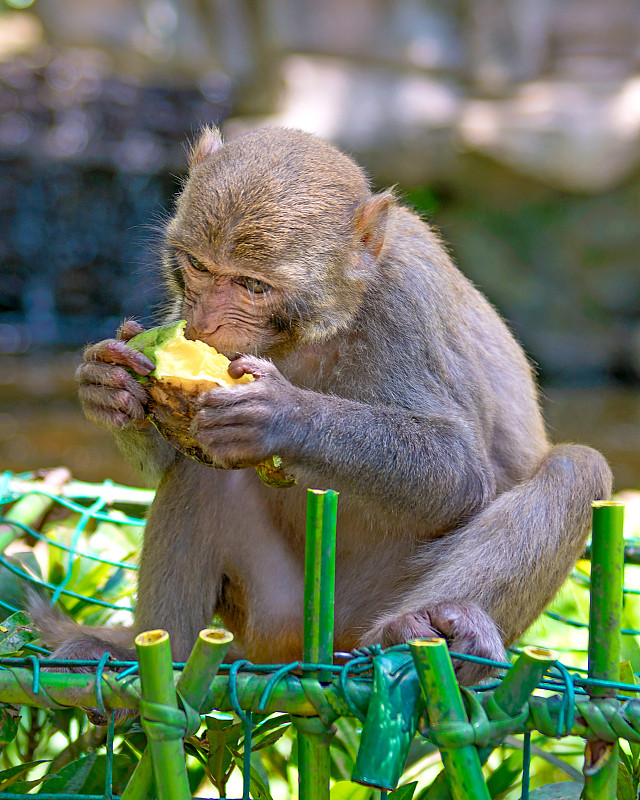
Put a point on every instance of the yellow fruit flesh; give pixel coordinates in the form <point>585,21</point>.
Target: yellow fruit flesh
<point>186,363</point>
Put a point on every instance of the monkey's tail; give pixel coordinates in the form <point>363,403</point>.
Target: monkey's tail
<point>57,628</point>
<point>514,555</point>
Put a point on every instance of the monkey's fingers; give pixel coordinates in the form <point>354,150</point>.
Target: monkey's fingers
<point>232,397</point>
<point>111,408</point>
<point>114,351</point>
<point>252,365</point>
<point>110,376</point>
<point>128,330</point>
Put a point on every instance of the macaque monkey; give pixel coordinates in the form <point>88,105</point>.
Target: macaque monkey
<point>381,372</point>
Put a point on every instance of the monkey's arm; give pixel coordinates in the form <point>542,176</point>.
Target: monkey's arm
<point>430,466</point>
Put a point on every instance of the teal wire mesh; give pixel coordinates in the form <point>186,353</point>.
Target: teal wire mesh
<point>83,553</point>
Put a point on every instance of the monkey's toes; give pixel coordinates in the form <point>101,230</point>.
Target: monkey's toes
<point>89,648</point>
<point>468,630</point>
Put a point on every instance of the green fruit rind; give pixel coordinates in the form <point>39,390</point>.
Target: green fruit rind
<point>149,341</point>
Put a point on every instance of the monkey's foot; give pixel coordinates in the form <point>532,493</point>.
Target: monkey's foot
<point>90,648</point>
<point>465,626</point>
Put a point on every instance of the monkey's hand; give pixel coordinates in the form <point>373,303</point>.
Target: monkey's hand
<point>110,395</point>
<point>467,628</point>
<point>245,423</point>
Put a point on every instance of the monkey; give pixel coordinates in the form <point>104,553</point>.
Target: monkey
<point>381,372</point>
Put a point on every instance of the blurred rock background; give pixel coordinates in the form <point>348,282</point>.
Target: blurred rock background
<point>513,125</point>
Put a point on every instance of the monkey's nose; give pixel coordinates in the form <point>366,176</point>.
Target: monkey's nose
<point>193,333</point>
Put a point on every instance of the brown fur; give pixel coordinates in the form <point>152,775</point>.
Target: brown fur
<point>380,372</point>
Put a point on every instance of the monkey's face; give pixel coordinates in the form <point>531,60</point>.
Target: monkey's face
<point>273,243</point>
<point>230,308</point>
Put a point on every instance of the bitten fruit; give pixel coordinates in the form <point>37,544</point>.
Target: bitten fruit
<point>184,369</point>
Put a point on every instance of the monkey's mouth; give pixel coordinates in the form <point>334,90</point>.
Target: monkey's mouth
<point>232,346</point>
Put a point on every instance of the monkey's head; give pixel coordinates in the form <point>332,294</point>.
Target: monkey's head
<point>273,243</point>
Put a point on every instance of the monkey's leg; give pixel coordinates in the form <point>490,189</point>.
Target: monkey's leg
<point>182,555</point>
<point>483,585</point>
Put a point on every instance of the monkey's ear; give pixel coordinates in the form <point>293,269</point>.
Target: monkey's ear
<point>370,221</point>
<point>209,140</point>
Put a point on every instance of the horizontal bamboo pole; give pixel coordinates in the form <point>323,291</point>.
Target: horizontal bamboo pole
<point>80,490</point>
<point>64,690</point>
<point>61,690</point>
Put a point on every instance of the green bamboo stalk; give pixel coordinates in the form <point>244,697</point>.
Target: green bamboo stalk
<point>81,490</point>
<point>443,700</point>
<point>390,723</point>
<point>313,736</point>
<point>319,588</point>
<point>193,684</point>
<point>518,684</point>
<point>509,697</point>
<point>607,568</point>
<point>167,750</point>
<point>32,506</point>
<point>314,760</point>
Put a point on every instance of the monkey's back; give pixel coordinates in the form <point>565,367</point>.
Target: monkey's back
<point>449,343</point>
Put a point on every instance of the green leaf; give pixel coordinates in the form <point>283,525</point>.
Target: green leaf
<point>567,790</point>
<point>270,723</point>
<point>270,737</point>
<point>9,724</point>
<point>625,789</point>
<point>505,775</point>
<point>15,632</point>
<point>346,790</point>
<point>625,761</point>
<point>630,651</point>
<point>70,778</point>
<point>95,782</point>
<point>222,735</point>
<point>404,792</point>
<point>13,774</point>
<point>258,786</point>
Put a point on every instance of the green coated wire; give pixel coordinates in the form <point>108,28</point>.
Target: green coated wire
<point>122,519</point>
<point>526,766</point>
<point>40,537</point>
<point>246,756</point>
<point>108,778</point>
<point>66,592</point>
<point>79,528</point>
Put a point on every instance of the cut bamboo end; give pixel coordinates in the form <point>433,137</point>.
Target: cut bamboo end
<point>147,638</point>
<point>540,653</point>
<point>606,504</point>
<point>435,641</point>
<point>216,636</point>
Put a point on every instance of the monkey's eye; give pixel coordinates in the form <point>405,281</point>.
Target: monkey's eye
<point>193,261</point>
<point>255,286</point>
